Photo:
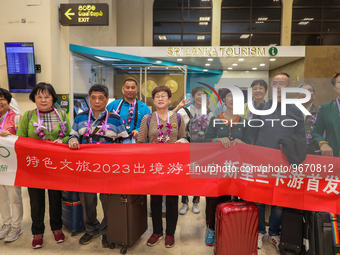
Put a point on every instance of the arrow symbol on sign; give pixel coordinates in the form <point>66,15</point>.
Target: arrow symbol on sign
<point>68,13</point>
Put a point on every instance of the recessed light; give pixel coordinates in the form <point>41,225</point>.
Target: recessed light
<point>303,23</point>
<point>207,64</point>
<point>259,22</point>
<point>241,59</point>
<point>129,67</point>
<point>262,18</point>
<point>204,23</point>
<point>162,37</point>
<point>179,59</point>
<point>308,19</point>
<point>272,59</point>
<point>234,64</point>
<point>245,36</point>
<point>262,64</point>
<point>210,59</point>
<point>254,68</point>
<point>204,18</point>
<point>230,68</point>
<point>158,62</point>
<point>205,70</point>
<point>166,67</point>
<point>200,37</point>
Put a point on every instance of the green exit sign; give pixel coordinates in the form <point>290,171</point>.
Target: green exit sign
<point>84,14</point>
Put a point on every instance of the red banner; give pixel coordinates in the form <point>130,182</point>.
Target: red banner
<point>181,169</point>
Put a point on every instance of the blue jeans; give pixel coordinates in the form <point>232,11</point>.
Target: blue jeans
<point>185,199</point>
<point>274,220</point>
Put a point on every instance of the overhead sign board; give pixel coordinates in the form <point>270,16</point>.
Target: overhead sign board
<point>84,14</point>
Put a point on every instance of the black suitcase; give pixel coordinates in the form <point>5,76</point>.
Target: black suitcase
<point>291,231</point>
<point>126,219</point>
<point>72,216</point>
<point>319,233</point>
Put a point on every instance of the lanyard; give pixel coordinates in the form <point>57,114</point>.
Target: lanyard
<point>3,121</point>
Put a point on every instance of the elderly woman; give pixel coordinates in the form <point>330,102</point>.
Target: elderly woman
<point>328,120</point>
<point>228,135</point>
<point>161,127</point>
<point>11,208</point>
<point>46,123</point>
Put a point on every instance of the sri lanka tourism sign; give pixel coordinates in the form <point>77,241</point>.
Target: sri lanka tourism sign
<point>84,14</point>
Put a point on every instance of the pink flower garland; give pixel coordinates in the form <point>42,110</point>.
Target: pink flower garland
<point>160,133</point>
<point>103,128</point>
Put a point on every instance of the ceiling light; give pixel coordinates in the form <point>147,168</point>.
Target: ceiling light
<point>308,19</point>
<point>166,67</point>
<point>205,70</point>
<point>230,68</point>
<point>241,59</point>
<point>203,23</point>
<point>234,64</point>
<point>262,18</point>
<point>262,64</point>
<point>158,62</point>
<point>204,18</point>
<point>276,0</point>
<point>245,36</point>
<point>207,64</point>
<point>254,68</point>
<point>179,59</point>
<point>200,37</point>
<point>303,23</point>
<point>210,59</point>
<point>162,37</point>
<point>259,22</point>
<point>107,59</point>
<point>129,67</point>
<point>272,59</point>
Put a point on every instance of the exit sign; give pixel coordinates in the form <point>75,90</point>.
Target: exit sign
<point>84,14</point>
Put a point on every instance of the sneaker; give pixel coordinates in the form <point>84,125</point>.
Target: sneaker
<point>210,239</point>
<point>184,209</point>
<point>154,239</point>
<point>275,240</point>
<point>260,238</point>
<point>4,231</point>
<point>87,238</point>
<point>58,235</point>
<point>169,241</point>
<point>195,208</point>
<point>13,235</point>
<point>38,241</point>
<point>105,242</point>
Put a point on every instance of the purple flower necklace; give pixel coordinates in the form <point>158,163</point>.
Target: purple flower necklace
<point>199,123</point>
<point>103,128</point>
<point>130,116</point>
<point>160,133</point>
<point>40,128</point>
<point>3,121</point>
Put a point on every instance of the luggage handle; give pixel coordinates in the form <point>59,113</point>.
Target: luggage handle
<point>123,199</point>
<point>335,233</point>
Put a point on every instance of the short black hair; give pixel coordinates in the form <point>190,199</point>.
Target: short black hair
<point>99,88</point>
<point>130,79</point>
<point>161,88</point>
<point>41,87</point>
<point>285,74</point>
<point>6,94</point>
<point>261,83</point>
<point>225,92</point>
<point>334,78</point>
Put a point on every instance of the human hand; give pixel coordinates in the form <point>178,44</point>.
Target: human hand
<point>74,144</point>
<point>326,150</point>
<point>225,141</point>
<point>237,141</point>
<point>5,133</point>
<point>58,141</point>
<point>135,134</point>
<point>183,103</point>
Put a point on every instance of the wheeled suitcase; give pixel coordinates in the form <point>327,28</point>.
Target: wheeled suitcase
<point>321,233</point>
<point>126,219</point>
<point>236,228</point>
<point>291,231</point>
<point>72,216</point>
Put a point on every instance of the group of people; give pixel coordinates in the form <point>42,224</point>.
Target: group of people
<point>129,120</point>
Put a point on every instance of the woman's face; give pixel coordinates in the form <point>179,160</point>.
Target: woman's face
<point>161,100</point>
<point>198,97</point>
<point>337,86</point>
<point>259,92</point>
<point>229,100</point>
<point>4,106</point>
<point>44,100</point>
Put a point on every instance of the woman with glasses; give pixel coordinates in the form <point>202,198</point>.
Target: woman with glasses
<point>227,134</point>
<point>46,123</point>
<point>162,126</point>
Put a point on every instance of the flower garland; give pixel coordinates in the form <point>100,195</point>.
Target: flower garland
<point>160,133</point>
<point>199,124</point>
<point>131,114</point>
<point>103,128</point>
<point>40,128</point>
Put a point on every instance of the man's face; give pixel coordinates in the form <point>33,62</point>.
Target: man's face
<point>130,90</point>
<point>98,101</point>
<point>280,81</point>
<point>310,89</point>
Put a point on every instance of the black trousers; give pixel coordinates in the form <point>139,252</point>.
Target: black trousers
<point>214,201</point>
<point>171,214</point>
<point>37,202</point>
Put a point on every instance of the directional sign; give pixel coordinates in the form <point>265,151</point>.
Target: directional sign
<point>84,14</point>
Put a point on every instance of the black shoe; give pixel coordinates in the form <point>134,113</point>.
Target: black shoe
<point>105,242</point>
<point>87,238</point>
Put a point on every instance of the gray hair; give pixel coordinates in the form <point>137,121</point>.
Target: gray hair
<point>310,84</point>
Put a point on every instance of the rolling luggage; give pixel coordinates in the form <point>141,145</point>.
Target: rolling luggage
<point>321,233</point>
<point>126,219</point>
<point>72,216</point>
<point>291,231</point>
<point>236,228</point>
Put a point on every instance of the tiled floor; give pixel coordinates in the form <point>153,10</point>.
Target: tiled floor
<point>189,237</point>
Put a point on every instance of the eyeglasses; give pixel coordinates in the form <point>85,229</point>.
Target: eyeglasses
<point>101,98</point>
<point>161,96</point>
<point>45,97</point>
<point>229,97</point>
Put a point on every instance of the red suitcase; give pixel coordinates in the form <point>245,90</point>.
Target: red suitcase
<point>236,228</point>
